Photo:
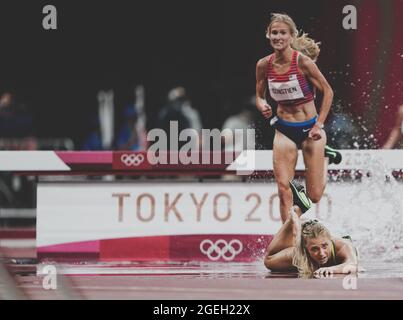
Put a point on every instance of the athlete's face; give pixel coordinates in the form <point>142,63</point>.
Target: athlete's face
<point>319,249</point>
<point>280,35</point>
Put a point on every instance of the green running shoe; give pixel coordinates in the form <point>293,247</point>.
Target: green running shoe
<point>333,155</point>
<point>299,196</point>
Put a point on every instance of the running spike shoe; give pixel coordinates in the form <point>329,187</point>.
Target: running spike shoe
<point>333,155</point>
<point>299,196</point>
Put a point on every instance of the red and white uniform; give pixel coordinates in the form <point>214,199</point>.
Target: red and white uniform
<point>291,88</point>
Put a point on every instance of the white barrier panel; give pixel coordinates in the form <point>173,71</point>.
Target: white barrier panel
<point>262,160</point>
<point>72,212</point>
<point>31,160</point>
<point>124,220</point>
<point>92,211</point>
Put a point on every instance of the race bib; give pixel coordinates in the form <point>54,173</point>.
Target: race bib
<point>289,90</point>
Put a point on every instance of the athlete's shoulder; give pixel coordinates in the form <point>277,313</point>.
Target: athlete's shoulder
<point>304,61</point>
<point>342,244</point>
<point>263,62</point>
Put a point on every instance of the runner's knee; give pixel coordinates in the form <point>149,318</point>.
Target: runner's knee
<point>268,262</point>
<point>315,194</point>
<point>283,189</point>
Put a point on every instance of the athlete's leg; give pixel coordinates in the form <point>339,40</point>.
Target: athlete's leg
<point>285,154</point>
<point>315,166</point>
<point>325,165</point>
<point>285,237</point>
<point>281,261</point>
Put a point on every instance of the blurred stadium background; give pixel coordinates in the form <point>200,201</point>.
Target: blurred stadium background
<point>55,81</point>
<point>209,48</point>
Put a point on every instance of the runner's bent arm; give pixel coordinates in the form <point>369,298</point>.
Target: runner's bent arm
<point>311,70</point>
<point>261,86</point>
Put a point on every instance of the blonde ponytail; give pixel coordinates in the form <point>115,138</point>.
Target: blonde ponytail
<point>307,46</point>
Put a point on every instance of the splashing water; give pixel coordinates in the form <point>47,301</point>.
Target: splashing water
<point>372,214</point>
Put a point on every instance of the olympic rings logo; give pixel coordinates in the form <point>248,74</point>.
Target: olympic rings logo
<point>221,249</point>
<point>132,159</point>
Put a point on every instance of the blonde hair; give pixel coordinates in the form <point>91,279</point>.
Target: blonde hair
<point>301,42</point>
<point>311,229</point>
<point>285,18</point>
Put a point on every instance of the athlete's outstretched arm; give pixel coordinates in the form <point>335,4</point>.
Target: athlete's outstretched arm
<point>349,261</point>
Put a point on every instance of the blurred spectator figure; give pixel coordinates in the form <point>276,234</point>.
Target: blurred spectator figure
<point>16,123</point>
<point>141,123</point>
<point>179,108</point>
<point>342,132</point>
<point>128,137</point>
<point>241,139</point>
<point>397,131</point>
<point>238,140</point>
<point>93,141</point>
<point>16,133</point>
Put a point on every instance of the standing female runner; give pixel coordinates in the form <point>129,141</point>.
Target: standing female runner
<point>290,78</point>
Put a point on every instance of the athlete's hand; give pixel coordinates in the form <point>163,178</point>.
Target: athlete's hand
<point>267,112</point>
<point>324,272</point>
<point>315,133</point>
<point>264,109</point>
